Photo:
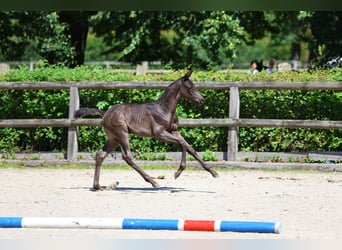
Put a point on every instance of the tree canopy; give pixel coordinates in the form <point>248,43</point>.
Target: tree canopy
<point>180,38</point>
<point>177,38</point>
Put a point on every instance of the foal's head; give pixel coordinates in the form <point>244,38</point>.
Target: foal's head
<point>189,91</point>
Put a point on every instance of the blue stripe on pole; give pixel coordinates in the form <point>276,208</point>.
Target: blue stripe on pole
<point>242,226</point>
<point>150,224</point>
<point>10,222</point>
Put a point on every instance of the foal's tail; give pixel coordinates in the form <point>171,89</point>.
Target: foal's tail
<point>88,112</point>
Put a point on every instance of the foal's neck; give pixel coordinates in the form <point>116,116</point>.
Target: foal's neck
<point>169,99</point>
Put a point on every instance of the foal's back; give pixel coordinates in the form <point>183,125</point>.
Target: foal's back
<point>136,119</point>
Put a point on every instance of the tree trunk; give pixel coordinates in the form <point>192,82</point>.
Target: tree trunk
<point>78,30</point>
<point>189,56</point>
<point>295,51</point>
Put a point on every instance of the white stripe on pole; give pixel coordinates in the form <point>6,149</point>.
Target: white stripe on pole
<point>217,226</point>
<point>72,222</point>
<point>277,227</point>
<point>181,225</point>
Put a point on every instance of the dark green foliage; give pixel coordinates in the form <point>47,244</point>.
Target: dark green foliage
<point>24,104</point>
<point>268,104</point>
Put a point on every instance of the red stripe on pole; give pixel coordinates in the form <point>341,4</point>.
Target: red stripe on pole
<point>199,225</point>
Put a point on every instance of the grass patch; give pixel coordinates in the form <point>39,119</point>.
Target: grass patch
<point>5,165</point>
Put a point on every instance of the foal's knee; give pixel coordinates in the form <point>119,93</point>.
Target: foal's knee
<point>101,154</point>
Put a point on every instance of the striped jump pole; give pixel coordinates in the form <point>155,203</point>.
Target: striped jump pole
<point>143,224</point>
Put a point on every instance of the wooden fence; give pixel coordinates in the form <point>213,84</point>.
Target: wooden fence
<point>232,121</point>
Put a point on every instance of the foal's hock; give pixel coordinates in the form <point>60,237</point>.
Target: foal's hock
<point>154,119</point>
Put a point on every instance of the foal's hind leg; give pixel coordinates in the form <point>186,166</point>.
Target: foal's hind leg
<point>127,156</point>
<point>100,156</point>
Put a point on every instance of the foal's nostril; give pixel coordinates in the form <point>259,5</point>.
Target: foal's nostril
<point>201,101</point>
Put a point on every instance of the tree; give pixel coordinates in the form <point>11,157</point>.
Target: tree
<point>286,28</point>
<point>178,38</point>
<point>59,37</point>
<point>320,29</point>
<point>201,39</point>
<point>11,36</point>
<point>283,27</point>
<point>135,36</point>
<point>77,28</point>
<point>53,43</point>
<point>208,34</point>
<point>20,29</point>
<point>324,35</point>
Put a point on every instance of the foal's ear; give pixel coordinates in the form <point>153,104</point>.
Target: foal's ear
<point>187,75</point>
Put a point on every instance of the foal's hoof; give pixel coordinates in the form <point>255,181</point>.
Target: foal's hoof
<point>97,187</point>
<point>155,184</point>
<point>177,174</point>
<point>214,174</point>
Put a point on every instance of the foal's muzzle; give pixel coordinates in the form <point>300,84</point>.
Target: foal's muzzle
<point>201,101</point>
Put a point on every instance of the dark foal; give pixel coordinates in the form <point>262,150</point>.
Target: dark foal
<point>156,119</point>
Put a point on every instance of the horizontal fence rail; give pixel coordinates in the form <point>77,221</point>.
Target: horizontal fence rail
<point>190,123</point>
<point>163,85</point>
<point>232,122</point>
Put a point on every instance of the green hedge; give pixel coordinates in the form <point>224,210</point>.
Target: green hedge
<point>270,104</point>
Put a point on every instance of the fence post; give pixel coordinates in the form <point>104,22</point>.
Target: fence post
<point>141,69</point>
<point>234,113</point>
<point>74,104</point>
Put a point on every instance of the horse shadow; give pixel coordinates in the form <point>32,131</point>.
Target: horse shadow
<point>141,189</point>
<point>149,190</point>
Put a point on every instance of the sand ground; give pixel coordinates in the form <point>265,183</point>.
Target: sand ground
<point>307,204</point>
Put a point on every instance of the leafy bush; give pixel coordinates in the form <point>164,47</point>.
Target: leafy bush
<point>266,104</point>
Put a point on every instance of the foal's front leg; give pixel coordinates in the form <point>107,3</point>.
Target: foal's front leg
<point>175,137</point>
<point>182,164</point>
<point>191,151</point>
